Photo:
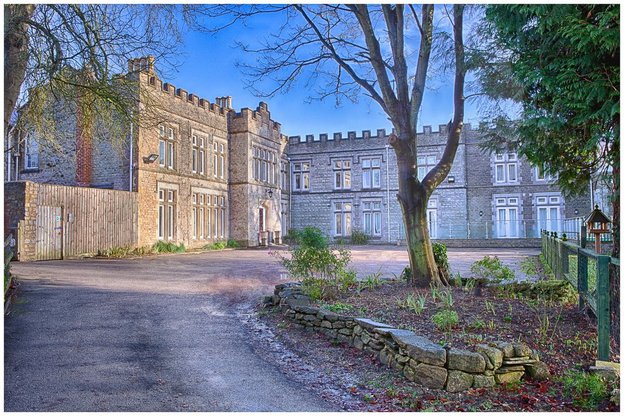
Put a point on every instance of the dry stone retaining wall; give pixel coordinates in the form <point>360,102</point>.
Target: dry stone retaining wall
<point>418,358</point>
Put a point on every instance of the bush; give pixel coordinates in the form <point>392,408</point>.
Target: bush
<point>491,268</point>
<point>586,390</point>
<point>445,320</point>
<point>232,244</point>
<point>219,245</point>
<point>168,247</point>
<point>359,238</point>
<point>323,270</point>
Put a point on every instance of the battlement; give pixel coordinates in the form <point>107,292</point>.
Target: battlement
<point>366,134</point>
<point>262,111</point>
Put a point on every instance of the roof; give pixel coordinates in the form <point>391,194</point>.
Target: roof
<point>597,216</point>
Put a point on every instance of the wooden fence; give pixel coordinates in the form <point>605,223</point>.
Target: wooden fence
<point>588,272</point>
<point>65,221</point>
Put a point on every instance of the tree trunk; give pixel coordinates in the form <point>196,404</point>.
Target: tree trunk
<point>15,54</point>
<point>413,200</point>
<point>614,271</point>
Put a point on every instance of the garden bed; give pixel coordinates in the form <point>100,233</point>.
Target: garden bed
<point>564,337</point>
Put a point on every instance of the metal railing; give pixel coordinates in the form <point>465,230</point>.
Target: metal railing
<point>588,272</point>
<point>504,229</point>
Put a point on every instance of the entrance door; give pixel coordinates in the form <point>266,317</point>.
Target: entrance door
<point>548,218</point>
<point>507,222</point>
<point>49,244</point>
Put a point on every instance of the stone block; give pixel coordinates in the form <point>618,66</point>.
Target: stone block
<point>357,343</point>
<point>308,310</point>
<point>483,381</point>
<point>430,376</point>
<point>345,331</point>
<point>538,371</point>
<point>458,381</point>
<point>506,347</point>
<point>326,324</point>
<point>462,360</point>
<point>421,349</point>
<point>327,315</point>
<point>375,345</point>
<point>509,369</point>
<point>365,337</point>
<point>494,356</point>
<point>370,324</point>
<point>338,325</point>
<point>521,350</point>
<point>512,377</point>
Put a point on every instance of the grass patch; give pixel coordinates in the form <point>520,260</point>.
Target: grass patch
<point>586,390</point>
<point>168,247</point>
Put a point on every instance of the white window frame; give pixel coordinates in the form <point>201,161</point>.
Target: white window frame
<point>504,207</point>
<point>424,164</point>
<point>371,173</point>
<point>31,152</point>
<point>371,217</point>
<point>300,176</point>
<point>343,218</point>
<point>504,164</point>
<point>342,174</point>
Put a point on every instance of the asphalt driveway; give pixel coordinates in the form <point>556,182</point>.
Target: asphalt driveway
<point>162,333</point>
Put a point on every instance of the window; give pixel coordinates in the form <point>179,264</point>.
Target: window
<point>371,173</point>
<point>342,174</point>
<point>506,168</point>
<point>166,214</point>
<point>264,166</point>
<point>201,216</point>
<point>372,218</point>
<point>425,164</point>
<point>541,175</point>
<point>301,176</point>
<point>218,160</point>
<point>219,216</point>
<point>284,175</point>
<point>342,219</point>
<point>432,218</point>
<point>548,212</point>
<point>199,152</point>
<point>166,147</point>
<point>31,152</point>
<point>507,221</point>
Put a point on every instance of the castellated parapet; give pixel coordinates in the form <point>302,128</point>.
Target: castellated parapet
<point>258,120</point>
<point>366,134</point>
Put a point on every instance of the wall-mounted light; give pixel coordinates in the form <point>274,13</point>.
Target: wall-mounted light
<point>269,193</point>
<point>150,159</point>
<point>576,211</point>
<point>480,213</point>
<point>451,179</point>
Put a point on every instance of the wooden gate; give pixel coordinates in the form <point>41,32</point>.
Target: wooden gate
<point>49,233</point>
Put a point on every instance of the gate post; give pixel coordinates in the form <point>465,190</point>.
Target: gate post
<point>602,306</point>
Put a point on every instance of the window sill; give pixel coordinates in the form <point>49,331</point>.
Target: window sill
<point>30,170</point>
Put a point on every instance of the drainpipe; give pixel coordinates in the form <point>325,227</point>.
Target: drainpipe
<point>388,190</point>
<point>131,156</point>
<point>288,182</point>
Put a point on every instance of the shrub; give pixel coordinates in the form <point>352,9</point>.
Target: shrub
<point>406,274</point>
<point>232,244</point>
<point>322,269</point>
<point>491,268</point>
<point>168,247</point>
<point>292,237</point>
<point>586,390</point>
<point>372,281</point>
<point>441,259</point>
<point>528,266</point>
<point>219,245</point>
<point>359,238</point>
<point>445,320</point>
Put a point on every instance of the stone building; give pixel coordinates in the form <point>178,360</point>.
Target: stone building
<point>203,172</point>
<point>348,183</point>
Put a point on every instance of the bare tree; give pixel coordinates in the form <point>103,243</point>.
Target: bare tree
<point>370,49</point>
<point>61,52</point>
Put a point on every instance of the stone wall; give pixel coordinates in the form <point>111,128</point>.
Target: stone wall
<point>418,358</point>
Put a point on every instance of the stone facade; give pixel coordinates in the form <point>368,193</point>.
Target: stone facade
<point>485,196</point>
<point>204,172</point>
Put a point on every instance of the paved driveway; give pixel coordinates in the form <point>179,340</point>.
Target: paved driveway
<point>160,333</point>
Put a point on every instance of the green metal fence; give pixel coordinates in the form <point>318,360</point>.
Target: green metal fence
<point>588,272</point>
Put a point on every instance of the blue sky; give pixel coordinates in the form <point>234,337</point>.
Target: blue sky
<point>209,70</point>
